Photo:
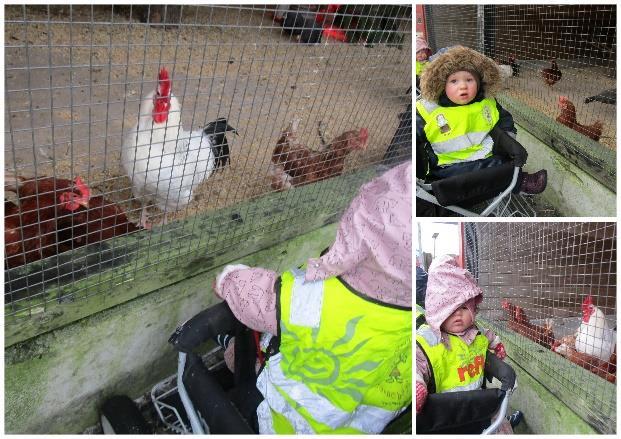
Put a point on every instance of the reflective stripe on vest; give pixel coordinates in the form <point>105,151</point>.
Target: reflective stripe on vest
<point>344,375</point>
<point>459,134</point>
<point>459,368</point>
<point>419,310</point>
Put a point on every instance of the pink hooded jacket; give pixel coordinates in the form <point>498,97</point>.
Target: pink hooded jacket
<point>372,252</point>
<point>421,44</point>
<point>448,288</point>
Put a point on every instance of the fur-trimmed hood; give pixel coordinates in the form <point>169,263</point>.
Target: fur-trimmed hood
<point>433,79</point>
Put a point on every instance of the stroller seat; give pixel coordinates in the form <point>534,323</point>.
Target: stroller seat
<point>464,193</point>
<point>469,412</point>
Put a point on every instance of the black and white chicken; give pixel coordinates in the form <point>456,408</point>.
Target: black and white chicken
<point>164,162</point>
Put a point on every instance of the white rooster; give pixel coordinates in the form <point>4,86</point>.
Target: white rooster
<point>165,162</point>
<point>594,337</point>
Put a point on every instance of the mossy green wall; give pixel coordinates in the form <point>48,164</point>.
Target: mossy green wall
<point>555,395</point>
<point>55,382</point>
<point>571,191</point>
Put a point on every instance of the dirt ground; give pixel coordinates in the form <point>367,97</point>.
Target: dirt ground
<point>74,83</point>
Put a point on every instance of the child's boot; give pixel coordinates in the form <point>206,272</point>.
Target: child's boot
<point>533,183</point>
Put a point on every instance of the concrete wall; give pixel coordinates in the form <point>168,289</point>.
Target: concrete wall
<point>571,191</point>
<point>55,382</point>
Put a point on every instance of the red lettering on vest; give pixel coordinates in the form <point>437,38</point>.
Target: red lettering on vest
<point>472,369</point>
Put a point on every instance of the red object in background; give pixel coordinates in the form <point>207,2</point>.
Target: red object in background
<point>335,33</point>
<point>257,342</point>
<point>421,30</point>
<point>324,10</point>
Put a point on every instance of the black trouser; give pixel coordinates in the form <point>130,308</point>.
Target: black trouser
<point>229,412</point>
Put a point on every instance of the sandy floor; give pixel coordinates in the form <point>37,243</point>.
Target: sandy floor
<point>72,90</point>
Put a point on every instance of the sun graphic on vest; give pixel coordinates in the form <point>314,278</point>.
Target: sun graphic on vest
<point>336,366</point>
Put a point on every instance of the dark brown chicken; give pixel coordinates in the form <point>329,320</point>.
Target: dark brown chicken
<point>100,221</point>
<point>568,118</point>
<point>520,323</point>
<point>294,165</point>
<point>30,225</point>
<point>552,74</point>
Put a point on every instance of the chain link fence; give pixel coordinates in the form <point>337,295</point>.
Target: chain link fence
<point>550,290</point>
<point>143,139</point>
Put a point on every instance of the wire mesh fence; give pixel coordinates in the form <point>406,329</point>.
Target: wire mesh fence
<point>557,62</point>
<point>551,290</point>
<point>138,137</point>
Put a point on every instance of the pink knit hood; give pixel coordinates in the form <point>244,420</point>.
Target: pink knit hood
<point>373,247</point>
<point>448,288</point>
<point>421,44</point>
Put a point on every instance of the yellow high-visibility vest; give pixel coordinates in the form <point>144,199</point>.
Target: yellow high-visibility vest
<point>461,133</point>
<point>459,368</point>
<point>344,365</point>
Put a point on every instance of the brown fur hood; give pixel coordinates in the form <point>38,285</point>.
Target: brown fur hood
<point>433,78</point>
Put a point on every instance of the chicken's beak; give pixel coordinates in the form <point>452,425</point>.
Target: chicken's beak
<point>83,202</point>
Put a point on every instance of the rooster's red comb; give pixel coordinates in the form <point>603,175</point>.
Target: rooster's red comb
<point>588,300</point>
<point>163,79</point>
<point>364,133</point>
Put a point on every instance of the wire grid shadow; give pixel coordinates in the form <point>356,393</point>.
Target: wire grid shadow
<point>525,40</point>
<point>537,278</point>
<point>168,194</point>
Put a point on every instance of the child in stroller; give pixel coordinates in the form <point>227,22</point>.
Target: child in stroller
<point>456,116</point>
<point>451,350</point>
<point>423,52</point>
<point>339,356</point>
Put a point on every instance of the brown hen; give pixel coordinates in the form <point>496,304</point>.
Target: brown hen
<point>30,226</point>
<point>568,118</point>
<point>520,323</point>
<point>100,221</point>
<point>294,164</point>
<point>604,369</point>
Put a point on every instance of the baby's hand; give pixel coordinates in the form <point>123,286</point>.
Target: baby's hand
<point>500,352</point>
<point>421,396</point>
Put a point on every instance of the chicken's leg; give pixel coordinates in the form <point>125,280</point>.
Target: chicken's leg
<point>144,219</point>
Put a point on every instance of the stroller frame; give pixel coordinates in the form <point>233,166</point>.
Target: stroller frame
<point>168,414</point>
<point>498,206</point>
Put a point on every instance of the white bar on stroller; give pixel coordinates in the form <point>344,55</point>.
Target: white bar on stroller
<point>493,204</point>
<point>502,412</point>
<point>420,193</point>
<point>197,428</point>
<point>460,210</point>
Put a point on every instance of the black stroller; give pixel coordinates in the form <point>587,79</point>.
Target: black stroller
<point>487,192</point>
<point>470,412</point>
<point>204,397</point>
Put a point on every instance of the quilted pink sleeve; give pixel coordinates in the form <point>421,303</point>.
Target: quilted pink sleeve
<point>251,296</point>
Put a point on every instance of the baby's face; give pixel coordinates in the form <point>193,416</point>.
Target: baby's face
<point>421,55</point>
<point>459,321</point>
<point>461,87</point>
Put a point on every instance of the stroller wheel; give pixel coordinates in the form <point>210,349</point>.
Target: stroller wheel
<point>119,415</point>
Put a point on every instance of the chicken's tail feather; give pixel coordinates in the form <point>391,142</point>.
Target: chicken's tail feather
<point>216,131</point>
